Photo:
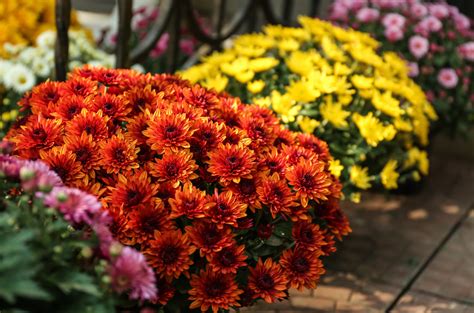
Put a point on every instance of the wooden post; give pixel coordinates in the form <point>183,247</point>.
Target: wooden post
<point>63,19</point>
<point>124,32</point>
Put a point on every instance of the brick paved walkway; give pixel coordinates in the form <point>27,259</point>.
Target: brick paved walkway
<point>406,253</point>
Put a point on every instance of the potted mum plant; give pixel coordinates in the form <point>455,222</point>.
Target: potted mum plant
<point>435,39</point>
<point>58,253</point>
<point>330,81</point>
<point>227,205</point>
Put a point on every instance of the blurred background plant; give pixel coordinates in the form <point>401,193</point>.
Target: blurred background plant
<point>144,17</point>
<point>436,40</point>
<point>57,252</point>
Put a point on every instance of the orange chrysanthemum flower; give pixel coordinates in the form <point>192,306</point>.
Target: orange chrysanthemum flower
<point>268,281</point>
<point>276,195</point>
<point>259,132</point>
<point>208,238</point>
<point>310,181</point>
<point>78,86</point>
<point>246,191</point>
<point>64,163</point>
<point>91,123</point>
<point>139,224</point>
<point>189,201</point>
<point>199,97</point>
<point>174,167</point>
<point>169,254</point>
<point>214,290</point>
<point>228,260</point>
<point>336,220</point>
<point>118,154</point>
<point>70,106</point>
<point>284,137</point>
<point>136,126</point>
<point>308,236</point>
<point>314,144</point>
<point>86,151</point>
<point>225,209</point>
<point>273,162</point>
<point>38,133</point>
<point>165,291</point>
<point>131,190</point>
<point>168,130</point>
<point>231,163</point>
<point>140,98</point>
<point>111,105</point>
<point>302,268</point>
<point>44,97</point>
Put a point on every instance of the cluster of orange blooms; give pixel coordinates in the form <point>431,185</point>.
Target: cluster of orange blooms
<point>227,205</point>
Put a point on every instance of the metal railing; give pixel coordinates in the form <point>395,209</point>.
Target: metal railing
<point>173,13</point>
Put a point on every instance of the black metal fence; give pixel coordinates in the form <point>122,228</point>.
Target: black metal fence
<point>173,13</point>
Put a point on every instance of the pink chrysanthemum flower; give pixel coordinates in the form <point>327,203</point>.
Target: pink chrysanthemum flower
<point>392,20</point>
<point>448,78</point>
<point>130,272</point>
<point>36,175</point>
<point>77,206</point>
<point>418,46</point>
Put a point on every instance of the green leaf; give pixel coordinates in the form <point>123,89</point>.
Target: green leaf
<point>274,241</point>
<point>75,281</point>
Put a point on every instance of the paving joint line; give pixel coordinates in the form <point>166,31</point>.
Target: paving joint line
<point>430,258</point>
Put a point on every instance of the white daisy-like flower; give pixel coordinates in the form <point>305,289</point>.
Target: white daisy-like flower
<point>46,39</point>
<point>27,55</point>
<point>96,63</point>
<point>74,64</point>
<point>41,68</point>
<point>19,78</point>
<point>138,68</point>
<point>4,67</point>
<point>11,48</point>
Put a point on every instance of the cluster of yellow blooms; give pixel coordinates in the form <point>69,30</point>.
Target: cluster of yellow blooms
<point>331,81</point>
<point>22,20</point>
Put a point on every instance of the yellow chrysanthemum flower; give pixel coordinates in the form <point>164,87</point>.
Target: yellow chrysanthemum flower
<point>285,106</point>
<point>307,124</point>
<point>256,86</point>
<point>334,113</point>
<point>389,175</point>
<point>335,167</point>
<point>372,129</point>
<point>359,177</point>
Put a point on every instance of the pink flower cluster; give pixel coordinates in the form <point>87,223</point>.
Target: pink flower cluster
<point>127,267</point>
<point>417,22</point>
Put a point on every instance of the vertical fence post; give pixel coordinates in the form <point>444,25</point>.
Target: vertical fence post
<point>124,30</point>
<point>63,19</point>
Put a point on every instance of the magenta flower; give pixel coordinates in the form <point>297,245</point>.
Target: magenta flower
<point>431,23</point>
<point>130,272</point>
<point>448,78</point>
<point>367,15</point>
<point>461,22</point>
<point>339,12</point>
<point>466,50</point>
<point>418,10</point>
<point>9,166</point>
<point>388,4</point>
<point>418,46</point>
<point>36,175</point>
<point>439,10</point>
<point>393,33</point>
<point>78,207</point>
<point>393,20</point>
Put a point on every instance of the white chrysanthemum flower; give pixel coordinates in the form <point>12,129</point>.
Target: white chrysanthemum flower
<point>74,64</point>
<point>138,68</point>
<point>46,39</point>
<point>11,48</point>
<point>27,55</point>
<point>96,63</point>
<point>74,52</point>
<point>19,78</point>
<point>41,68</point>
<point>4,68</point>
